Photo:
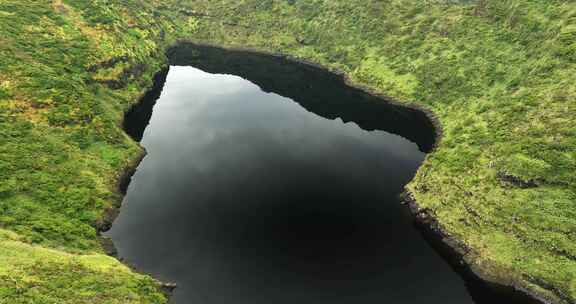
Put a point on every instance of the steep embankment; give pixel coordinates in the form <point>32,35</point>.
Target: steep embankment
<point>68,71</point>
<point>499,75</point>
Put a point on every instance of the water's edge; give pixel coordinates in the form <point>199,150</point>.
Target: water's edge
<point>449,247</point>
<point>455,253</point>
<point>149,97</point>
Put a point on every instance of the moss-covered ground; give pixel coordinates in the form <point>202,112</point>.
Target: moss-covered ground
<point>500,75</point>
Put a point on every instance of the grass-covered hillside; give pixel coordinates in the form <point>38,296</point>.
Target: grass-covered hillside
<point>500,75</point>
<point>68,71</point>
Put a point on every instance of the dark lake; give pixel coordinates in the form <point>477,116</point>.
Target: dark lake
<point>283,188</point>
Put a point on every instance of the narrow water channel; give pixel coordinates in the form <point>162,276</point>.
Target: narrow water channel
<point>280,190</point>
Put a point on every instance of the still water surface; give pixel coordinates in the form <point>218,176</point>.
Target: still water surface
<point>246,197</point>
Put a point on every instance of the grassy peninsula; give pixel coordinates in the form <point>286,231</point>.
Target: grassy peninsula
<point>499,75</point>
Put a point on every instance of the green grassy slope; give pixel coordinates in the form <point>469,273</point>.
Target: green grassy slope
<point>499,75</point>
<point>68,71</point>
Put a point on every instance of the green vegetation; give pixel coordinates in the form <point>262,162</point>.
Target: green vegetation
<point>498,74</point>
<point>61,147</point>
<point>33,274</point>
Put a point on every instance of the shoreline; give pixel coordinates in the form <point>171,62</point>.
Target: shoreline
<point>452,251</point>
<point>122,183</point>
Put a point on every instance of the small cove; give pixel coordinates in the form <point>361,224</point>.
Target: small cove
<point>277,185</point>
